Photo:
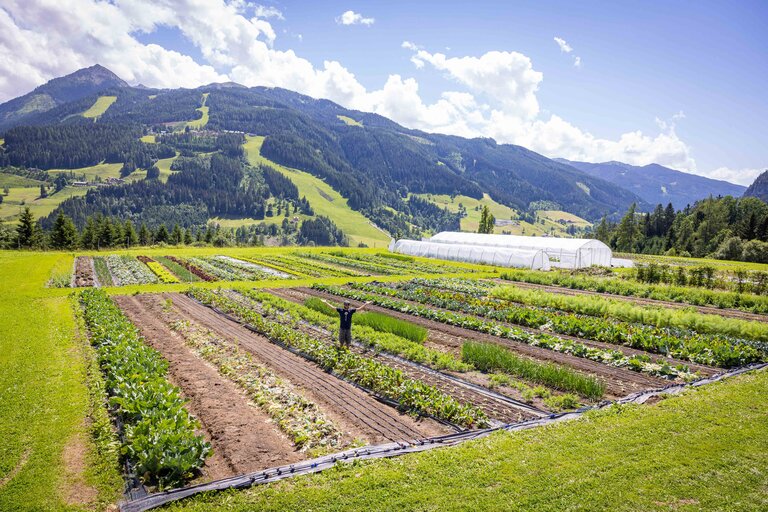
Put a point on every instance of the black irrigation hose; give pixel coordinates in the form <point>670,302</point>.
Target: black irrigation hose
<point>399,448</point>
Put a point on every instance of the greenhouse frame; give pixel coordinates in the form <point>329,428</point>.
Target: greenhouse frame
<point>562,252</point>
<point>487,255</point>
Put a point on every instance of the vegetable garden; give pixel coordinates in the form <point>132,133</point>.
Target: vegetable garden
<point>432,355</point>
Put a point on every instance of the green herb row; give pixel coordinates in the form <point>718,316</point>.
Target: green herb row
<point>160,434</point>
<point>707,349</point>
<point>639,363</point>
<point>686,295</point>
<point>368,373</point>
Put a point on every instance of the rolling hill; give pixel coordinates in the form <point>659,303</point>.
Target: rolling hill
<point>657,184</point>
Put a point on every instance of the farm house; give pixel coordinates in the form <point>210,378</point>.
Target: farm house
<point>562,252</point>
<point>500,256</point>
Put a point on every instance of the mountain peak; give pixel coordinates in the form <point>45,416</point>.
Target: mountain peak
<point>759,188</point>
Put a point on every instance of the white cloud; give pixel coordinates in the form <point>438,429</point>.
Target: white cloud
<point>564,47</point>
<point>577,61</point>
<point>354,18</point>
<point>739,176</point>
<point>267,11</point>
<point>491,95</point>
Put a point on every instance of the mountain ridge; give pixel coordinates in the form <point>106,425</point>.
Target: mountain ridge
<point>759,188</point>
<point>657,184</point>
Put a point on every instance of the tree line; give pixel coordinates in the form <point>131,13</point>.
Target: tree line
<point>722,227</point>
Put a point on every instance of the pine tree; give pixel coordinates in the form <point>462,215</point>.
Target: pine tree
<point>43,191</point>
<point>27,232</point>
<point>162,234</point>
<point>628,232</point>
<point>487,221</point>
<point>64,233</point>
<point>177,236</point>
<point>145,237</point>
<point>129,234</point>
<point>89,236</point>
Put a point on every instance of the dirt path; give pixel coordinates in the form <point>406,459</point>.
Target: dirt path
<point>244,439</point>
<point>619,381</point>
<point>85,276</point>
<point>707,310</point>
<point>500,408</point>
<point>354,410</point>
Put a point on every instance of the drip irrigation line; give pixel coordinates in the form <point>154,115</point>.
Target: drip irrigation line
<point>402,447</point>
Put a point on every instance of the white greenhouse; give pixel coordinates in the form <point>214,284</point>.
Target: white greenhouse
<point>498,256</point>
<point>562,252</point>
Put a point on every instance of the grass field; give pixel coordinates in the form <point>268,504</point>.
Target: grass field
<point>99,107</point>
<point>12,204</point>
<point>11,180</point>
<point>704,450</point>
<point>200,123</point>
<point>102,171</point>
<point>324,200</point>
<point>691,262</point>
<point>504,213</point>
<point>46,459</point>
<point>348,120</point>
<point>149,139</point>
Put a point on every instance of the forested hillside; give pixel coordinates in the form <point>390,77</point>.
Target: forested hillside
<point>375,164</point>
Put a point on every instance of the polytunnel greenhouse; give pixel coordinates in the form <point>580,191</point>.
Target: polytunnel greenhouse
<point>562,252</point>
<point>499,256</point>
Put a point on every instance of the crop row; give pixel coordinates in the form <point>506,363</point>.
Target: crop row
<point>309,268</point>
<point>377,321</point>
<point>180,271</point>
<point>159,433</point>
<point>340,259</point>
<point>748,332</point>
<point>256,271</point>
<point>685,295</point>
<point>193,269</point>
<point>700,348</point>
<point>370,337</point>
<point>128,270</point>
<point>298,417</point>
<point>162,273</point>
<point>401,264</point>
<point>368,373</point>
<point>554,376</point>
<point>639,363</point>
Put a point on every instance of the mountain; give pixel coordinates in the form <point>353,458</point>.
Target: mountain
<point>759,188</point>
<point>80,84</point>
<point>373,162</point>
<point>657,184</point>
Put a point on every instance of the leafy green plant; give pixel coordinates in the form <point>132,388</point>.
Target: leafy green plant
<point>159,433</point>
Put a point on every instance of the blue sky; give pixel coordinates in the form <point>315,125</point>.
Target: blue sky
<point>678,83</point>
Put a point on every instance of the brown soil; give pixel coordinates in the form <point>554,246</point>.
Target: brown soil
<point>85,276</point>
<point>76,491</point>
<point>619,381</point>
<point>353,410</point>
<point>244,439</point>
<point>192,268</point>
<point>707,310</point>
<point>497,409</point>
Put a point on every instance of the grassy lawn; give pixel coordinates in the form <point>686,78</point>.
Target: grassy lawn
<point>348,120</point>
<point>149,139</point>
<point>324,200</point>
<point>101,106</point>
<point>102,171</point>
<point>502,212</point>
<point>12,203</point>
<point>45,454</point>
<point>705,450</point>
<point>11,180</point>
<point>200,123</point>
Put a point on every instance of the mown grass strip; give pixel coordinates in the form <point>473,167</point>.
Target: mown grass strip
<point>377,321</point>
<point>490,357</point>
